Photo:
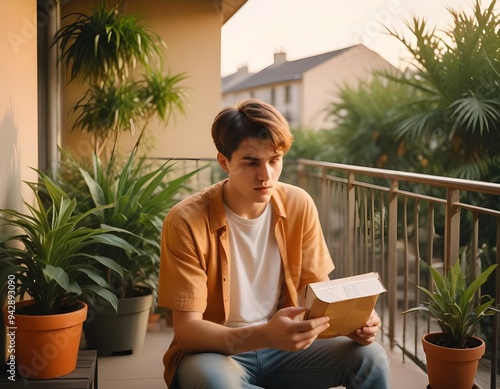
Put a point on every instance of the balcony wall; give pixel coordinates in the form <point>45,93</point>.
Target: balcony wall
<point>18,101</point>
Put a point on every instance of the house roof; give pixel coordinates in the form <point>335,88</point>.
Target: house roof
<point>235,78</point>
<point>227,8</point>
<point>280,71</point>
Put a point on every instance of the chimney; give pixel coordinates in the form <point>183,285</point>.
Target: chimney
<point>279,57</point>
<point>243,69</point>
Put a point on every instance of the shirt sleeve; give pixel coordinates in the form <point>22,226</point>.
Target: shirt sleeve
<point>182,281</point>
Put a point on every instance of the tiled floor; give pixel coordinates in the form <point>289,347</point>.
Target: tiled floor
<point>144,370</point>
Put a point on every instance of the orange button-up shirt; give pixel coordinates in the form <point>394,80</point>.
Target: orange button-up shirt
<point>194,269</point>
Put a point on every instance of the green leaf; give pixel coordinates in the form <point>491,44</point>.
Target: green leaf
<point>105,294</point>
<point>109,263</point>
<point>95,276</point>
<point>58,275</point>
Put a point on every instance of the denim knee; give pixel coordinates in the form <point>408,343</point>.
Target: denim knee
<point>209,371</point>
<point>373,370</point>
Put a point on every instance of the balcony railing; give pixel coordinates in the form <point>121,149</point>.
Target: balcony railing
<point>390,222</point>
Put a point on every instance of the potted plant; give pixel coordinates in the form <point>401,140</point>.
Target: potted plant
<point>453,354</point>
<point>49,267</point>
<point>142,194</point>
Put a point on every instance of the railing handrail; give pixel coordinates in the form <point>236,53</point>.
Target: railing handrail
<point>435,180</point>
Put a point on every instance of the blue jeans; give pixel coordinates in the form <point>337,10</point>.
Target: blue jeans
<point>326,363</point>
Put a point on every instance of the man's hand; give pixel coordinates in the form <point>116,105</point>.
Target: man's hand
<point>284,332</point>
<point>366,335</point>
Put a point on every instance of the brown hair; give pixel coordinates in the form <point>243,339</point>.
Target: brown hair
<point>250,118</point>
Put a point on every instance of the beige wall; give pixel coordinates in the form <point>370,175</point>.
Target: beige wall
<point>321,85</point>
<point>18,100</point>
<point>191,30</point>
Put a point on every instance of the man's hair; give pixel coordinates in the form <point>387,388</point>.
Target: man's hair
<point>250,118</point>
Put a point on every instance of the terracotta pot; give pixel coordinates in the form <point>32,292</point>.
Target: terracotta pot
<point>45,346</point>
<point>451,367</point>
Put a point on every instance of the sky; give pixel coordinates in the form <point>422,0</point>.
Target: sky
<point>304,28</point>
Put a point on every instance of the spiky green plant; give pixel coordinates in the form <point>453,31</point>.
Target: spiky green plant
<point>456,305</point>
<point>456,74</point>
<point>141,195</point>
<point>48,251</point>
<point>106,42</point>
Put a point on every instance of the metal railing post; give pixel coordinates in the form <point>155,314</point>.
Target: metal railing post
<point>451,229</point>
<point>351,222</point>
<point>392,241</point>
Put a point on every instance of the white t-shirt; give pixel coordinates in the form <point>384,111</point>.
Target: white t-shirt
<point>255,269</point>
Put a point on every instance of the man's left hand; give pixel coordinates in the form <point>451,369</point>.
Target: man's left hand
<point>366,335</point>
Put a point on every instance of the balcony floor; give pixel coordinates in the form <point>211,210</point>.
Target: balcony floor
<point>145,369</point>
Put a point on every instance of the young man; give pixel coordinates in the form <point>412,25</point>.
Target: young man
<point>235,259</point>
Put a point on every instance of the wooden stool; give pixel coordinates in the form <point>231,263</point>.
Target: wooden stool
<point>83,377</point>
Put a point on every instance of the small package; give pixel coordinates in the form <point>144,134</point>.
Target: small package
<point>347,301</point>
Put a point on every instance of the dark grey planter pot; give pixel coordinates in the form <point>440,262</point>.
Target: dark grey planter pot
<point>118,333</point>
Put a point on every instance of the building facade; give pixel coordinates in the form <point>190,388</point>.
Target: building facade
<point>302,89</point>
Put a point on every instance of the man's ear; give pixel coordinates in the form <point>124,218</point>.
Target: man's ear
<point>223,161</point>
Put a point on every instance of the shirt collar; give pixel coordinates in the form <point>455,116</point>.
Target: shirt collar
<point>216,205</point>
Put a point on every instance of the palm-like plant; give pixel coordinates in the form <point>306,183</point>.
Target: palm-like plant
<point>457,75</point>
<point>106,41</point>
<point>119,59</point>
<point>455,304</point>
<point>112,108</point>
<point>49,251</point>
<point>366,117</point>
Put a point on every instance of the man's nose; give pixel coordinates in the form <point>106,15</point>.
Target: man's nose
<point>264,172</point>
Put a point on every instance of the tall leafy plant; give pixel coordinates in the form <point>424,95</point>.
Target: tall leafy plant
<point>456,72</point>
<point>120,60</point>
<point>106,41</point>
<point>366,118</point>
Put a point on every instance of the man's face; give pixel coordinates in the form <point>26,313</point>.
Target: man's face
<point>254,170</point>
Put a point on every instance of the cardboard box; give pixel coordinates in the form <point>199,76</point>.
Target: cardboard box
<point>347,301</point>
